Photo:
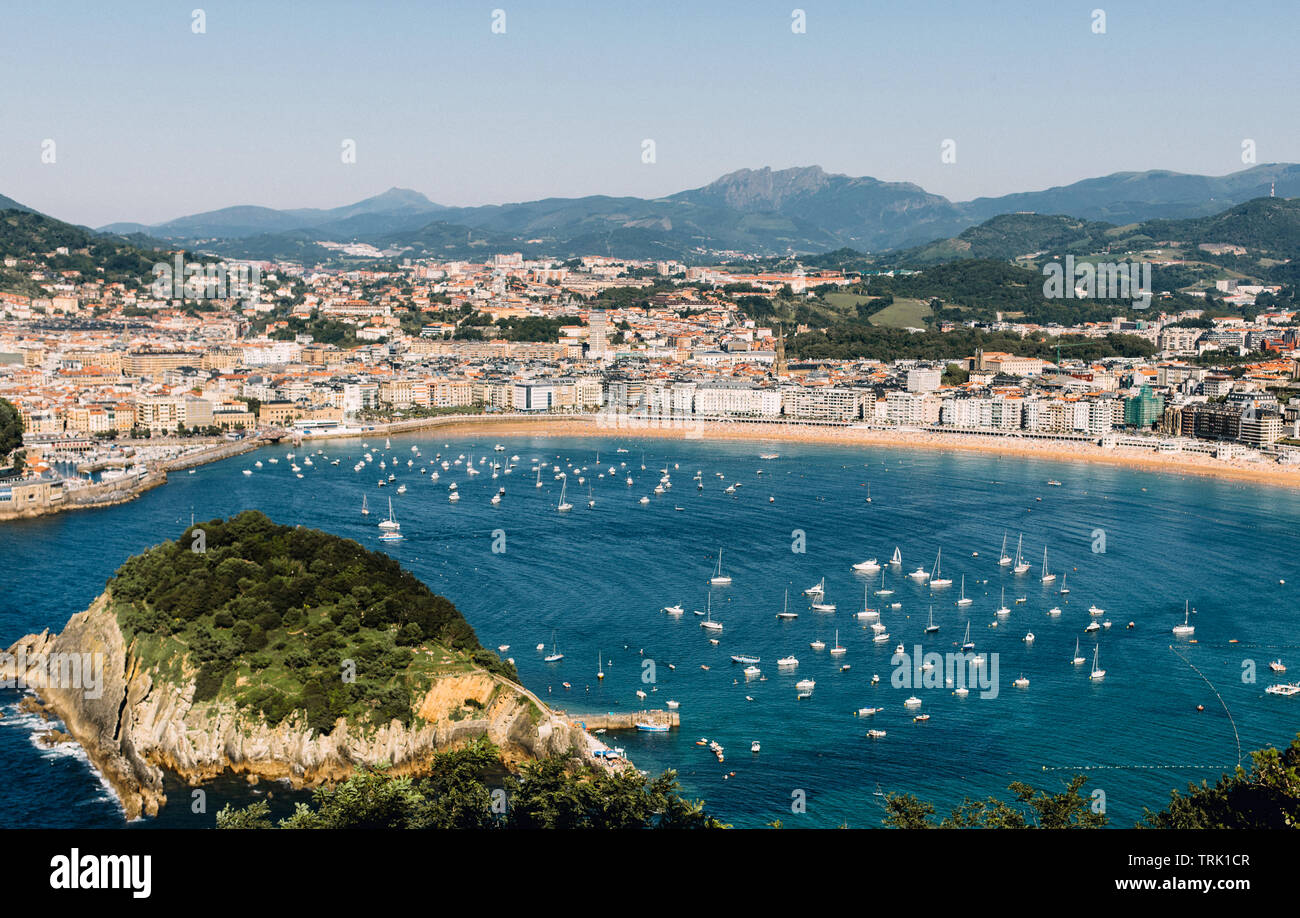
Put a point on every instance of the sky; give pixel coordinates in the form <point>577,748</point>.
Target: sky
<point>151,119</point>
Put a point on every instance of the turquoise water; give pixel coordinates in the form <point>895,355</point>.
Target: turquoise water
<point>598,578</point>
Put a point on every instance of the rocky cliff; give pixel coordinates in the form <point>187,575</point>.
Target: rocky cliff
<point>140,721</point>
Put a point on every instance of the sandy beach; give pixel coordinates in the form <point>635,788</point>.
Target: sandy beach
<point>1179,464</point>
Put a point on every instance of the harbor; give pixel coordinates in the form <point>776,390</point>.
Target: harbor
<point>789,683</point>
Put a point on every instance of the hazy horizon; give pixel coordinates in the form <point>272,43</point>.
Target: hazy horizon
<point>377,193</point>
<point>152,121</point>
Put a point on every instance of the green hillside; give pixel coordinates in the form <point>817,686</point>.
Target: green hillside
<point>283,619</point>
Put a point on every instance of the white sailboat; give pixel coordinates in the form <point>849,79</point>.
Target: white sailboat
<point>390,524</point>
<point>966,642</point>
<point>1047,576</point>
<point>932,627</point>
<point>564,505</point>
<point>554,656</point>
<point>1002,609</point>
<point>937,579</point>
<point>1020,565</point>
<point>897,559</point>
<point>1097,672</point>
<point>964,600</point>
<point>882,591</point>
<point>785,612</point>
<point>867,612</point>
<point>719,578</point>
<point>819,603</point>
<point>1078,660</point>
<point>365,509</point>
<point>1004,559</point>
<point>709,624</point>
<point>837,650</point>
<point>1185,628</point>
<point>817,589</point>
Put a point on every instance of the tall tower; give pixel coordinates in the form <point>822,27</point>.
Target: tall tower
<point>597,345</point>
<point>780,352</point>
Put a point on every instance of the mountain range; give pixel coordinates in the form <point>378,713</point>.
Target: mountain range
<point>761,211</point>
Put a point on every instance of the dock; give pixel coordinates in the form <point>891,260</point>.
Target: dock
<point>624,721</point>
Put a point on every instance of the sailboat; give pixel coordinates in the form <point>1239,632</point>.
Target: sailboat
<point>591,501</point>
<point>719,578</point>
<point>1002,609</point>
<point>391,523</point>
<point>1047,577</point>
<point>837,650</point>
<point>898,557</point>
<point>966,642</point>
<point>564,505</point>
<point>1096,673</point>
<point>868,492</point>
<point>882,591</point>
<point>936,576</point>
<point>1078,660</point>
<point>1004,559</point>
<point>709,624</point>
<point>785,612</point>
<point>817,589</point>
<point>932,627</point>
<point>1020,566</point>
<point>539,476</point>
<point>964,600</point>
<point>867,612</point>
<point>365,510</point>
<point>1064,589</point>
<point>1185,627</point>
<point>819,603</point>
<point>555,656</point>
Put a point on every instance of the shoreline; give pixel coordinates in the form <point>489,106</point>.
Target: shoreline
<point>927,440</point>
<point>590,425</point>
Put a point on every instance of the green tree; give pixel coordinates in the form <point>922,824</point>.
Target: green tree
<point>1265,797</point>
<point>1068,809</point>
<point>11,428</point>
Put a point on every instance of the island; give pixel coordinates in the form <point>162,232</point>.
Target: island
<point>276,652</point>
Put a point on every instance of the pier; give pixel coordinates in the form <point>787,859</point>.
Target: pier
<point>624,721</point>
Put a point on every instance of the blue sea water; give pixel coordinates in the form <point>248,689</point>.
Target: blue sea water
<point>597,579</point>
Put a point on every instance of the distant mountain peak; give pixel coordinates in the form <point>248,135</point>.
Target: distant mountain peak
<point>765,188</point>
<point>397,195</point>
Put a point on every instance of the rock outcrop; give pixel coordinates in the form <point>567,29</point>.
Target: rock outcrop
<point>138,724</point>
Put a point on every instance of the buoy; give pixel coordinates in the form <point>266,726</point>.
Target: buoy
<point>1200,707</point>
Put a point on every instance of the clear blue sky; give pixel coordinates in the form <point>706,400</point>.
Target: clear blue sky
<point>152,121</point>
